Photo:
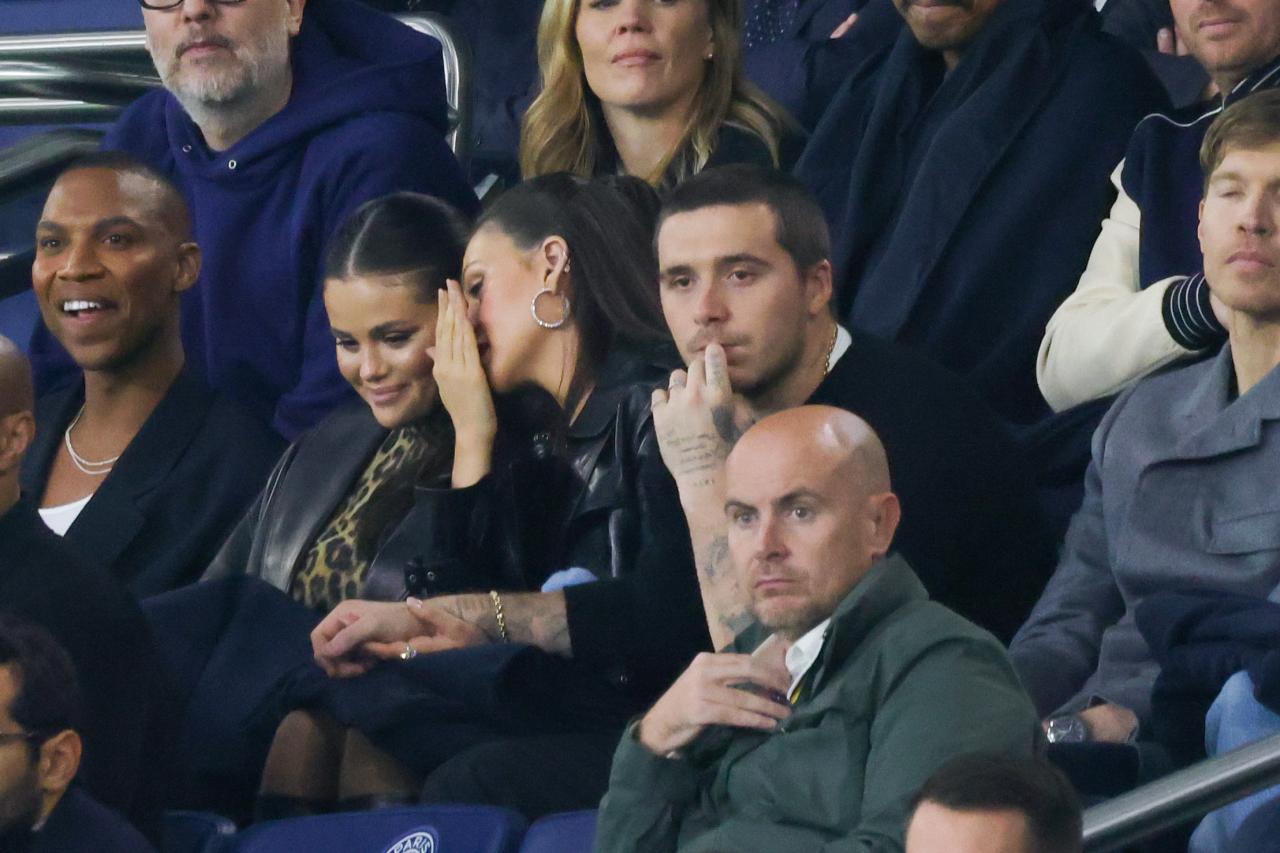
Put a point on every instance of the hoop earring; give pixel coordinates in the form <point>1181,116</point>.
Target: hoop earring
<point>533,309</point>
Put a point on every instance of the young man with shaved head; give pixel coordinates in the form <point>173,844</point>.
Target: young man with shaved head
<point>45,581</point>
<point>817,726</point>
<point>137,464</point>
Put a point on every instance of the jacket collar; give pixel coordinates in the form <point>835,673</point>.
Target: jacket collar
<point>887,586</point>
<point>1266,77</point>
<point>149,457</point>
<point>1211,423</point>
<point>329,460</point>
<point>113,517</point>
<point>623,370</point>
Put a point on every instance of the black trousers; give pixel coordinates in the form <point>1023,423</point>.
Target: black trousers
<point>535,775</point>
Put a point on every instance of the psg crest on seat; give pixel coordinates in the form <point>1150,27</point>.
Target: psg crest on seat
<point>418,841</point>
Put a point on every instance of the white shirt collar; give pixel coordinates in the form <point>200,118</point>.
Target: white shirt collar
<point>843,342</point>
<point>804,652</point>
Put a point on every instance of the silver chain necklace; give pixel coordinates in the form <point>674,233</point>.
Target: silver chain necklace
<point>93,469</point>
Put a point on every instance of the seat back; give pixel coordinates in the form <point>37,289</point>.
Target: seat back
<point>424,829</point>
<point>195,832</point>
<point>570,832</point>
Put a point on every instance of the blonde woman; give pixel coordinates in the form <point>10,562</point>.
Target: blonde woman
<point>650,88</point>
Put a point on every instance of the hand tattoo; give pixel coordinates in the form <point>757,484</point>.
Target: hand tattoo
<point>726,425</point>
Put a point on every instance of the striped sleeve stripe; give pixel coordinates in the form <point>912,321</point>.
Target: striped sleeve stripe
<point>1188,315</point>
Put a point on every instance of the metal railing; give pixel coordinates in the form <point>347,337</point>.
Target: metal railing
<point>1182,796</point>
<point>64,78</point>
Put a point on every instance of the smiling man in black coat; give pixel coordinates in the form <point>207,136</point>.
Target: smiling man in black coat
<point>138,464</point>
<point>964,175</point>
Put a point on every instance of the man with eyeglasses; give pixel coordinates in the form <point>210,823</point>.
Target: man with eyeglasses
<point>40,750</point>
<point>278,119</point>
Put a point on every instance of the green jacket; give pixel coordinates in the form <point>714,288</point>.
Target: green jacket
<point>901,685</point>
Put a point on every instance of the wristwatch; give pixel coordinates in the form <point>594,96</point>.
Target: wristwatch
<point>1068,728</point>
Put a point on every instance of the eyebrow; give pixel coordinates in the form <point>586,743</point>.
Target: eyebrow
<point>378,331</point>
<point>391,326</point>
<point>741,258</point>
<point>797,496</point>
<point>719,264</point>
<point>100,225</point>
<point>789,499</point>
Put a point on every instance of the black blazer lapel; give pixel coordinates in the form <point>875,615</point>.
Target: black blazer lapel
<point>53,415</point>
<point>117,512</point>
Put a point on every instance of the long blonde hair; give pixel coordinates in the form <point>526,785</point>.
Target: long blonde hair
<point>563,128</point>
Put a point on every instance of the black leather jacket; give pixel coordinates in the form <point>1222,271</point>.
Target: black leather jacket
<point>599,497</point>
<point>311,479</point>
<point>596,497</point>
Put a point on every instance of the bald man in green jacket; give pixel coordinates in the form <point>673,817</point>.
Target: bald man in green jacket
<point>820,722</point>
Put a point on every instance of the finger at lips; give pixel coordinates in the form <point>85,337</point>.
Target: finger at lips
<point>717,370</point>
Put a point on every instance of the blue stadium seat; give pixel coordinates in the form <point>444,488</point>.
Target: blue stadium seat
<point>18,318</point>
<point>196,832</point>
<point>424,829</point>
<point>571,832</point>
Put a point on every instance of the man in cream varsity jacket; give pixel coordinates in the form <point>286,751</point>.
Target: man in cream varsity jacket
<point>1142,301</point>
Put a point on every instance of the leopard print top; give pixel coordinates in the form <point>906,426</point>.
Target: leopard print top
<point>332,570</point>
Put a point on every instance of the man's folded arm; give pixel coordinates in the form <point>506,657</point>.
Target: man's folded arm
<point>1110,331</point>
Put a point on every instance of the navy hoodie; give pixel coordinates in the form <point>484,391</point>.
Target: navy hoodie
<point>366,117</point>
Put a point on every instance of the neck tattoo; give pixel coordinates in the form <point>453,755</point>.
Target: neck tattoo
<point>92,469</point>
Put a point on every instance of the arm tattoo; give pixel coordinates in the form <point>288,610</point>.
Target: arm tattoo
<point>694,454</point>
<point>536,618</point>
<point>736,623</point>
<point>717,556</point>
<point>719,579</point>
<point>476,609</point>
<point>540,619</point>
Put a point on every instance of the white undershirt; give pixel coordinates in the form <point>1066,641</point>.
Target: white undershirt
<point>804,652</point>
<point>60,518</point>
<point>843,341</point>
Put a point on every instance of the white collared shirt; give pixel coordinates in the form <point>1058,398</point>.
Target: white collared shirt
<point>804,652</point>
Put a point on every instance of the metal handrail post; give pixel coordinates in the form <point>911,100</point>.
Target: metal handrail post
<point>1182,796</point>
<point>128,48</point>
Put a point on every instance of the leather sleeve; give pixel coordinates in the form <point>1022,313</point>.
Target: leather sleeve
<point>648,622</point>
<point>241,554</point>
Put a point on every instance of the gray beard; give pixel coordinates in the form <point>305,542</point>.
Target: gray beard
<point>224,99</point>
